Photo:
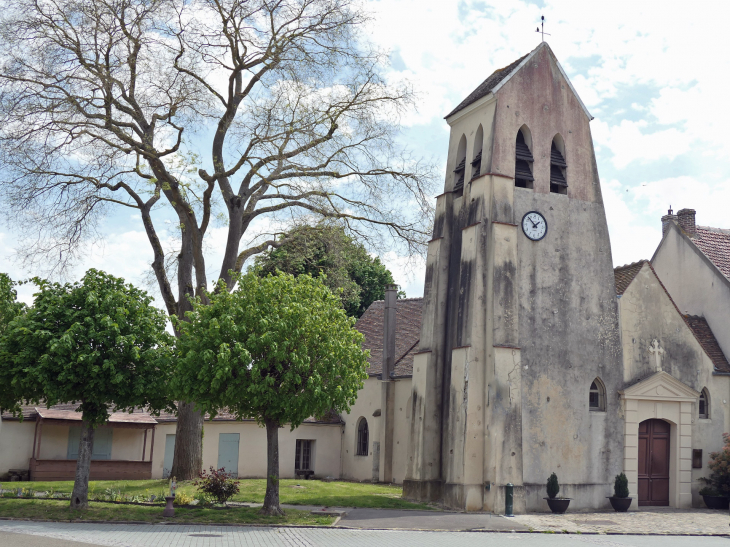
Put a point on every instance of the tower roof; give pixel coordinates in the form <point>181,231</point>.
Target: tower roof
<point>500,76</point>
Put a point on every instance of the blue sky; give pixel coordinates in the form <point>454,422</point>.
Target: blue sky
<point>654,77</point>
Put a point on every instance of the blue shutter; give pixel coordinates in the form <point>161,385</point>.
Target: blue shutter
<point>74,438</point>
<point>169,454</point>
<point>228,452</point>
<point>102,449</point>
<point>102,444</point>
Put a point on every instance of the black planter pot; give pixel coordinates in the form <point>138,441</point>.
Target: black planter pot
<point>620,504</point>
<point>558,505</point>
<point>716,502</point>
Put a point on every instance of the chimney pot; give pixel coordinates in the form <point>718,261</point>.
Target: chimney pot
<point>686,221</point>
<point>666,219</point>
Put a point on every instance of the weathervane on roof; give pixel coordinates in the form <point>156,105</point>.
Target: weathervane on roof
<point>543,29</point>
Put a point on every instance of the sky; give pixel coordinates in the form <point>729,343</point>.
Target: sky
<point>654,77</point>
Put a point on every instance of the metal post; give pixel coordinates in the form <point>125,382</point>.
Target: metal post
<point>508,500</point>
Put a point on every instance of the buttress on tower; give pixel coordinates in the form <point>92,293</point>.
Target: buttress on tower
<point>517,321</point>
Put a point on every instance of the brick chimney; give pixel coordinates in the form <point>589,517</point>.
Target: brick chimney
<point>686,221</point>
<point>666,219</point>
<point>391,295</point>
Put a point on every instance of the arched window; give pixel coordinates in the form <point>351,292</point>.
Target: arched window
<point>704,404</point>
<point>558,179</point>
<point>597,396</point>
<point>523,159</point>
<point>362,438</point>
<point>460,165</point>
<point>476,163</point>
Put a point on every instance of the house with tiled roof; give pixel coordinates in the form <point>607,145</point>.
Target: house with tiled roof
<point>668,353</point>
<point>693,262</point>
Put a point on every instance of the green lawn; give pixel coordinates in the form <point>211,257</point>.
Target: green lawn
<point>59,510</point>
<point>295,492</point>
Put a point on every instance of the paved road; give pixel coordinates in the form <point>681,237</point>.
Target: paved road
<point>394,519</point>
<point>44,534</point>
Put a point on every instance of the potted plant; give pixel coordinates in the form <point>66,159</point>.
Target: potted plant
<point>620,501</point>
<point>556,504</point>
<point>717,489</point>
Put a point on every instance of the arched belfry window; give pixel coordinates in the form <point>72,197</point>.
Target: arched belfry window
<point>460,165</point>
<point>597,396</point>
<point>558,178</point>
<point>362,438</point>
<point>523,159</point>
<point>476,163</point>
<point>704,404</point>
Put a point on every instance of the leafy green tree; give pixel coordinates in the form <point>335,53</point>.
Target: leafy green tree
<point>99,343</point>
<point>9,305</point>
<point>350,271</point>
<point>277,349</point>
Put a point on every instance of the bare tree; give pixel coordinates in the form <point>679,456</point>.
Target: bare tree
<point>200,111</point>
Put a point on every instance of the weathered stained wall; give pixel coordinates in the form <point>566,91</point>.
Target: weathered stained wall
<point>568,325</point>
<point>647,313</point>
<point>695,284</point>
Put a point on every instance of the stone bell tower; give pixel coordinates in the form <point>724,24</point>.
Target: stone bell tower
<point>519,312</point>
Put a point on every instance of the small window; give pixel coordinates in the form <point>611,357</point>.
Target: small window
<point>362,438</point>
<point>460,166</point>
<point>558,179</point>
<point>597,396</point>
<point>704,404</point>
<point>523,160</point>
<point>303,459</point>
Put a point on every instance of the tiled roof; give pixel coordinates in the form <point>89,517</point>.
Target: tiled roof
<point>715,244</point>
<point>407,334</point>
<point>68,412</point>
<point>487,85</point>
<point>707,339</point>
<point>624,275</point>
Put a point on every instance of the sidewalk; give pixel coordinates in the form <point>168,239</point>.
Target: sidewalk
<point>654,520</point>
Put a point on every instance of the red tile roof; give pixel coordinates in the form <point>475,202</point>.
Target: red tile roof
<point>624,275</point>
<point>715,244</point>
<point>407,334</point>
<point>706,338</point>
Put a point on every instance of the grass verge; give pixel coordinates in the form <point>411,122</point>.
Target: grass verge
<point>293,492</point>
<point>58,510</point>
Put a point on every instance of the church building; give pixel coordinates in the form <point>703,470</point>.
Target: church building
<point>528,354</point>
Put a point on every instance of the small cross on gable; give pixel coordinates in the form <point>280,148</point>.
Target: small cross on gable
<point>658,352</point>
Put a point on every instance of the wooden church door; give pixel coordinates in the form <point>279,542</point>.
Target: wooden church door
<point>654,463</point>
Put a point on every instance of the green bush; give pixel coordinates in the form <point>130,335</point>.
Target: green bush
<point>621,486</point>
<point>709,491</point>
<point>552,486</point>
<point>719,464</point>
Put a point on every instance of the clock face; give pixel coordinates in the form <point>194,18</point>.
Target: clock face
<point>534,225</point>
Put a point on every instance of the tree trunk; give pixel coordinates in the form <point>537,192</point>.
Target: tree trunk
<point>80,494</point>
<point>271,499</point>
<point>188,459</point>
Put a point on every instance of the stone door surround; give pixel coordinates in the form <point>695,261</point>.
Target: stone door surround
<point>662,397</point>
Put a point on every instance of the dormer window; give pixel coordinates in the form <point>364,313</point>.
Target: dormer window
<point>558,180</point>
<point>523,162</point>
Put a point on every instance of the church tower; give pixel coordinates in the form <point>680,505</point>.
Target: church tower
<point>519,362</point>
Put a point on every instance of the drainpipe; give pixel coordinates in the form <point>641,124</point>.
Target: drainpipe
<point>388,385</point>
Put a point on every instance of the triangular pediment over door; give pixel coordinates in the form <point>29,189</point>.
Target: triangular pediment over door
<point>661,386</point>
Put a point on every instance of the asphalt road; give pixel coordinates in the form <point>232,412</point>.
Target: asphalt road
<point>41,534</point>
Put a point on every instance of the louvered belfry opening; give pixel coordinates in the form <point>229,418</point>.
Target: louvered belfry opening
<point>558,183</point>
<point>523,160</point>
<point>476,165</point>
<point>459,174</point>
